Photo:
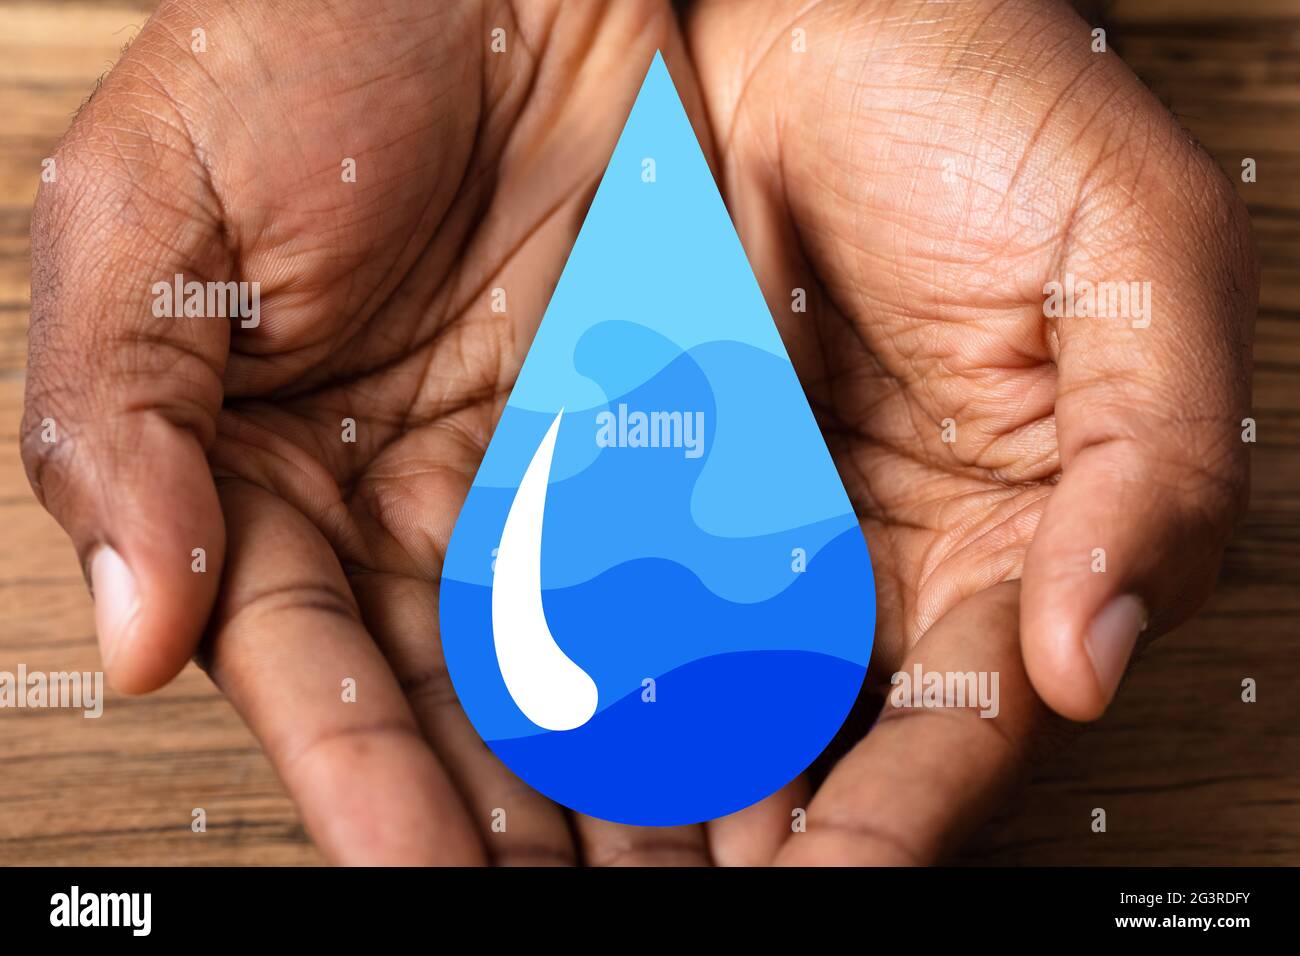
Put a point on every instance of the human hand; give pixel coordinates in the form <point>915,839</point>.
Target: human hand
<point>473,172</point>
<point>924,170</point>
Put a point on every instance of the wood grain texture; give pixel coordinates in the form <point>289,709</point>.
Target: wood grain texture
<point>120,789</point>
<point>1186,772</point>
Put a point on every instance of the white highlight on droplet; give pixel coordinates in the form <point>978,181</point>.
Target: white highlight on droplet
<point>551,690</point>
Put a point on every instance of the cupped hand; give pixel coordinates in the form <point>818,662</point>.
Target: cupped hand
<point>320,458</point>
<point>380,170</point>
<point>1037,489</point>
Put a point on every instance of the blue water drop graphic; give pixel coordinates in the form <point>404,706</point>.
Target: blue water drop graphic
<point>657,605</point>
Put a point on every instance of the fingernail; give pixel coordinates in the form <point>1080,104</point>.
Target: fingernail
<point>1111,638</point>
<point>116,600</point>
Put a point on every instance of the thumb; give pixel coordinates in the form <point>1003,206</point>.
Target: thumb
<point>1129,545</point>
<point>121,404</point>
<point>1148,416</point>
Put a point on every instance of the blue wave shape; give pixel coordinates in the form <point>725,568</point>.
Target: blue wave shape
<point>768,469</point>
<point>730,729</point>
<point>763,486</point>
<point>644,618</point>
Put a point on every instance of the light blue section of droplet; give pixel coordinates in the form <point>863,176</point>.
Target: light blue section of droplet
<point>768,469</point>
<point>661,254</point>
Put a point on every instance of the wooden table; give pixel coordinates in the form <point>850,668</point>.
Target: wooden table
<point>1186,771</point>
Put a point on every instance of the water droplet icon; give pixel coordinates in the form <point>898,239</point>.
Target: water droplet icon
<point>663,513</point>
